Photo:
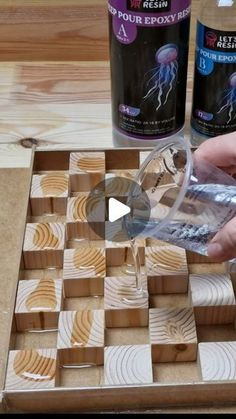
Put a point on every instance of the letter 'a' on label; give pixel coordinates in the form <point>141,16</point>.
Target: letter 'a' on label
<point>148,54</point>
<point>214,96</point>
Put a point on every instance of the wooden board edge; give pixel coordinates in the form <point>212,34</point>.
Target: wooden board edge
<point>11,274</point>
<point>122,398</point>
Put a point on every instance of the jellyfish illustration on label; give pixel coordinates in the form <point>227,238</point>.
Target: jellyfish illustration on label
<point>160,81</point>
<point>229,100</point>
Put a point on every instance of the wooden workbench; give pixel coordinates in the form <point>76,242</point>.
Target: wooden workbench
<point>55,89</point>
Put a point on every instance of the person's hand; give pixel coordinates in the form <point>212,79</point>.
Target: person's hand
<point>221,152</point>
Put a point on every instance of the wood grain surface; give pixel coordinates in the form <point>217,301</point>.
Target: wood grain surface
<point>58,29</point>
<point>53,30</point>
<point>217,361</point>
<point>60,106</point>
<point>79,329</point>
<point>124,307</point>
<point>29,369</point>
<point>128,365</point>
<point>38,304</point>
<point>55,78</point>
<point>81,338</point>
<point>173,335</point>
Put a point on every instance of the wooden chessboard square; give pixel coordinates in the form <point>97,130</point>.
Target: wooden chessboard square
<point>31,369</point>
<point>50,185</point>
<point>87,162</point>
<point>49,193</point>
<point>173,335</point>
<point>129,364</point>
<point>85,217</point>
<point>43,236</point>
<point>84,271</point>
<point>217,361</point>
<point>124,307</point>
<point>118,183</point>
<point>167,269</point>
<point>38,304</point>
<point>166,260</point>
<point>212,297</point>
<point>86,170</point>
<point>81,329</point>
<point>81,337</point>
<point>84,262</point>
<point>211,289</point>
<point>85,208</point>
<point>44,245</point>
<point>119,253</point>
<point>115,232</point>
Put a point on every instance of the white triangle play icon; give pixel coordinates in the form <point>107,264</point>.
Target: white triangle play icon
<point>117,210</point>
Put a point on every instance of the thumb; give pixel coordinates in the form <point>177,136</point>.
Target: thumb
<point>223,245</point>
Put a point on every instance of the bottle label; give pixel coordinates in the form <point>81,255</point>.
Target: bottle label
<point>214,96</point>
<point>148,54</point>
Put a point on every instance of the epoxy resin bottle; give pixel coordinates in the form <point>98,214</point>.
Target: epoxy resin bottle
<point>214,97</point>
<point>149,57</point>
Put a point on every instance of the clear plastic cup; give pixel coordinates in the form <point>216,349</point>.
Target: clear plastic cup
<point>189,199</point>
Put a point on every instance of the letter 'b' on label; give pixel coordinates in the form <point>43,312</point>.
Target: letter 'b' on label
<point>205,65</point>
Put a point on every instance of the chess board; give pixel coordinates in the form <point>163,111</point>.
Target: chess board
<point>76,343</point>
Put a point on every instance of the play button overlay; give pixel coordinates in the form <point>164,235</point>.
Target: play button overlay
<point>117,209</point>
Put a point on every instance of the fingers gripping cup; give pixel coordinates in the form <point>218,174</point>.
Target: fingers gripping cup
<point>190,200</point>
